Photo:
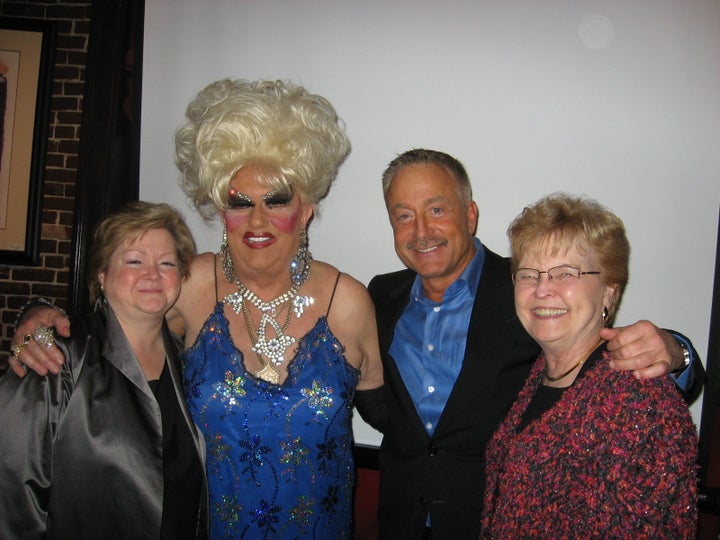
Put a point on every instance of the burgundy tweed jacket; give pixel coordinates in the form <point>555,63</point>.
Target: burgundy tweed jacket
<point>613,458</point>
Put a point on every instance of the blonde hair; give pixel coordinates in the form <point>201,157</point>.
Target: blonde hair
<point>130,223</point>
<point>291,138</point>
<point>561,222</point>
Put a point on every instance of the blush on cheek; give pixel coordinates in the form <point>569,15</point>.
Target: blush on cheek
<point>235,220</point>
<point>285,223</point>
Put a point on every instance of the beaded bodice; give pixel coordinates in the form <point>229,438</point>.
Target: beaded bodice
<point>279,457</point>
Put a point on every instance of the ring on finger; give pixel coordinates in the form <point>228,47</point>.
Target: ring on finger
<point>17,350</point>
<point>43,336</point>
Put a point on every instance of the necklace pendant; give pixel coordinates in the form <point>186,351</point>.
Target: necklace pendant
<point>268,373</point>
<point>272,348</point>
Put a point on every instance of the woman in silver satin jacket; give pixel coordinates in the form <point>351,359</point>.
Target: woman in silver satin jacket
<point>106,448</point>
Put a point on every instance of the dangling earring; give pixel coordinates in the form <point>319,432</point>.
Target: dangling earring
<point>300,265</point>
<point>226,261</point>
<point>604,316</point>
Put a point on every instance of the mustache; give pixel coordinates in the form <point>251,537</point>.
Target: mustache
<point>425,243</point>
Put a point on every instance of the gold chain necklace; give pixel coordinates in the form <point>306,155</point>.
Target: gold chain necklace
<point>579,363</point>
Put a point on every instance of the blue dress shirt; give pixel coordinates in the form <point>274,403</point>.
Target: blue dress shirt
<point>429,342</point>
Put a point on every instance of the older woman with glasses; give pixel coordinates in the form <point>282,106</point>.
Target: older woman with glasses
<point>585,450</point>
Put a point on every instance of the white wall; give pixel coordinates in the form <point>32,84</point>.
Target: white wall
<point>615,99</point>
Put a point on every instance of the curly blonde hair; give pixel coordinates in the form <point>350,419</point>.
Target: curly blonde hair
<point>291,138</point>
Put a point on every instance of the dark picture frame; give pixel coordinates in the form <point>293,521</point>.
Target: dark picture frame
<point>27,47</point>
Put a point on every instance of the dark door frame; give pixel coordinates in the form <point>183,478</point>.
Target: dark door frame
<point>709,455</point>
<point>109,147</point>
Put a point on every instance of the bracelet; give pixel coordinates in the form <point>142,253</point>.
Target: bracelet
<point>35,302</point>
<point>686,355</point>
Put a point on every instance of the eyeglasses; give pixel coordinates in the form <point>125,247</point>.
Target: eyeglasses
<point>562,276</point>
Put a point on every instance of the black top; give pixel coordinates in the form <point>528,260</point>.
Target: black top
<point>547,396</point>
<point>182,471</point>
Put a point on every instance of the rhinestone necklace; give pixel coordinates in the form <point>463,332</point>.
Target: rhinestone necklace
<point>235,300</point>
<point>272,349</point>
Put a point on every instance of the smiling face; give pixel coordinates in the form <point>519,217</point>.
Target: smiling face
<point>142,279</point>
<point>432,227</point>
<point>564,319</point>
<point>263,225</point>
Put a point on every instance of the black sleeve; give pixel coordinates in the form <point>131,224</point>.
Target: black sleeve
<point>373,407</point>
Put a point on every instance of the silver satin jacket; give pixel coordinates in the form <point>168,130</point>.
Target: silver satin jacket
<point>81,451</point>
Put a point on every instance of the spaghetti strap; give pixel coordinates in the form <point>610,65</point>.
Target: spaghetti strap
<point>333,295</point>
<point>215,276</point>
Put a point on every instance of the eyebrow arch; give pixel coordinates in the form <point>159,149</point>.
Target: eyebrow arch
<point>433,200</point>
<point>399,206</point>
<point>426,202</point>
<point>235,197</point>
<point>277,196</point>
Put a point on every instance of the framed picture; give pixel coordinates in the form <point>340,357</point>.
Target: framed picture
<point>26,60</point>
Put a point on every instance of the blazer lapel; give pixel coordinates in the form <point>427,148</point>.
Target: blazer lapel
<point>118,352</point>
<point>492,314</point>
<point>389,309</point>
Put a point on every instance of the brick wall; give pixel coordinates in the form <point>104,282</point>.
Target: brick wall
<point>49,279</point>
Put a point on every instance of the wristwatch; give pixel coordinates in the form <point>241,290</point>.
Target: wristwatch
<point>686,357</point>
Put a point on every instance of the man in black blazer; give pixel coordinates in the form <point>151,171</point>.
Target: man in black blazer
<point>454,352</point>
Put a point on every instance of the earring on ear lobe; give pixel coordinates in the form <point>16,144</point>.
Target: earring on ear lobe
<point>605,314</point>
<point>300,265</point>
<point>226,261</point>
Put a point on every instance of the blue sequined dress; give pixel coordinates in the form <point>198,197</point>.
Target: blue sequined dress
<point>279,457</point>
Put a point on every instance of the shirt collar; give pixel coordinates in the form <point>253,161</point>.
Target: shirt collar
<point>470,277</point>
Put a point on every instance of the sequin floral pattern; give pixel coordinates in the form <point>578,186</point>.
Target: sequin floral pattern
<point>279,457</point>
<point>613,458</point>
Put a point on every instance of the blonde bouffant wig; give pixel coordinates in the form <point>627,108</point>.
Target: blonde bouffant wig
<point>293,140</point>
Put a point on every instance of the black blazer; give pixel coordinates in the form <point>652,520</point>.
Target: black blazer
<point>443,475</point>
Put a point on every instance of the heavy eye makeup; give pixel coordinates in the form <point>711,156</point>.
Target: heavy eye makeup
<point>278,198</point>
<point>237,200</point>
<point>274,198</point>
